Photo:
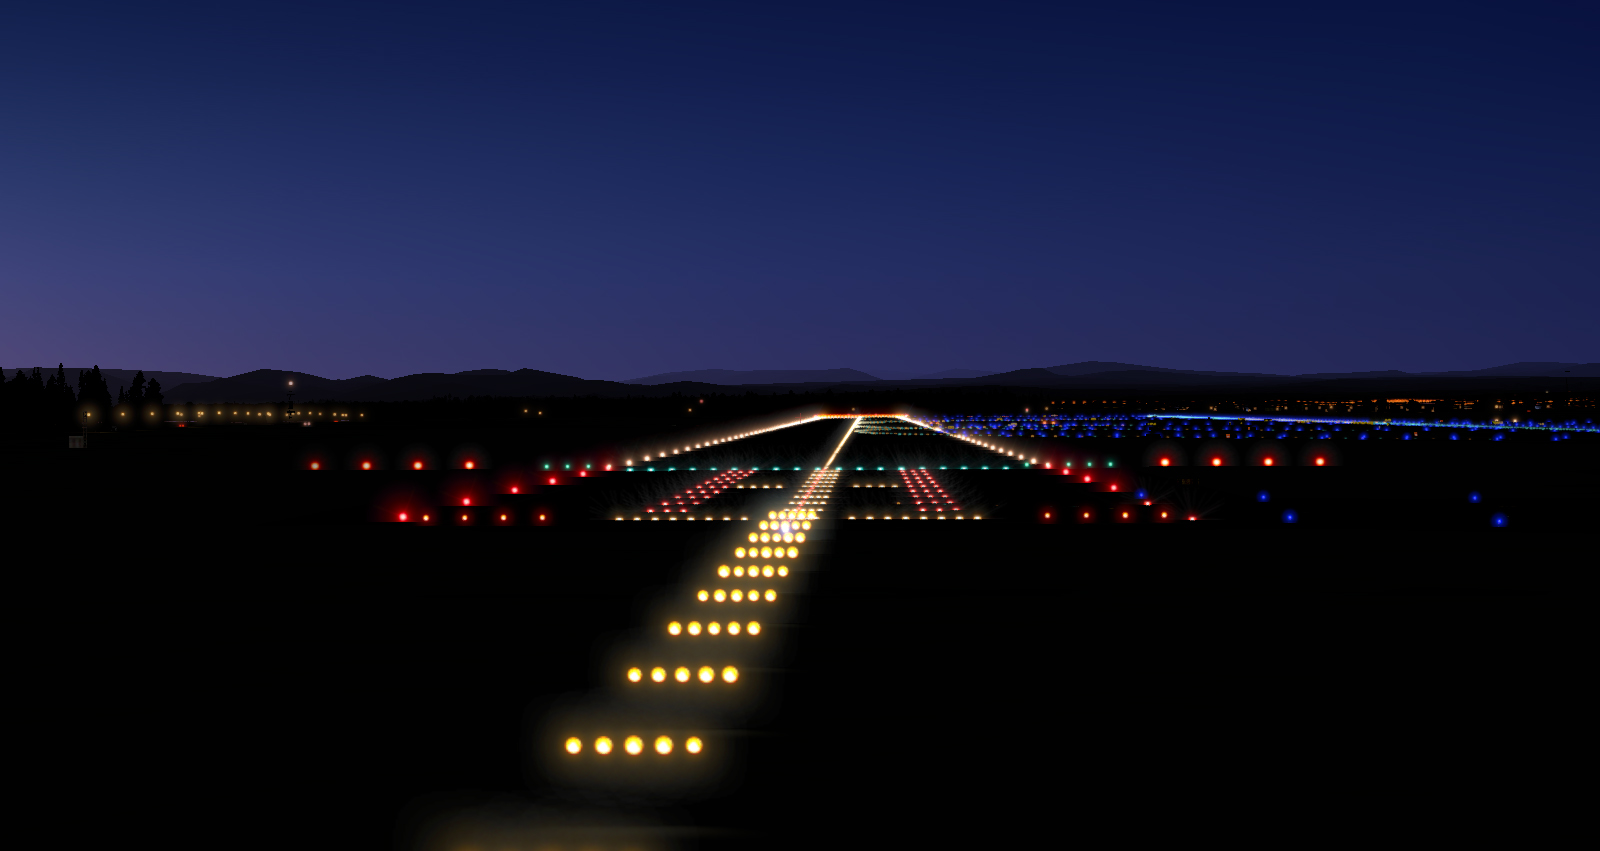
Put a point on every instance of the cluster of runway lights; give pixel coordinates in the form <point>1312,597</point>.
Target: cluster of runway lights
<point>706,674</point>
<point>634,745</point>
<point>791,523</point>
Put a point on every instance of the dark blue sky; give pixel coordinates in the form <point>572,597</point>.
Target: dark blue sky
<point>620,189</point>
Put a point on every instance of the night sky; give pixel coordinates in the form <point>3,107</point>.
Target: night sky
<point>613,190</point>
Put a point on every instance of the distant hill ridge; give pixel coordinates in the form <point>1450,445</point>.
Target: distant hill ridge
<point>269,385</point>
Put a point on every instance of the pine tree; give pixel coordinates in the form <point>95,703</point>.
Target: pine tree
<point>152,393</point>
<point>136,391</point>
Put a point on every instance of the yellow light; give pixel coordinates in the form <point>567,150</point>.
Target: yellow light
<point>574,745</point>
<point>658,675</point>
<point>663,745</point>
<point>714,628</point>
<point>737,596</point>
<point>681,675</point>
<point>771,515</point>
<point>739,552</point>
<point>693,745</point>
<point>674,628</point>
<point>730,674</point>
<point>635,675</point>
<point>602,745</point>
<point>694,627</point>
<point>720,595</point>
<point>704,596</point>
<point>782,570</point>
<point>799,537</point>
<point>806,525</point>
<point>754,628</point>
<point>766,552</point>
<point>733,628</point>
<point>634,745</point>
<point>723,571</point>
<point>794,553</point>
<point>762,525</point>
<point>766,571</point>
<point>772,595</point>
<point>765,537</point>
<point>707,674</point>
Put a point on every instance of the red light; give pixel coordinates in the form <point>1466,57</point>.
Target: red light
<point>1267,462</point>
<point>1113,487</point>
<point>541,517</point>
<point>1088,479</point>
<point>416,465</point>
<point>366,465</point>
<point>466,501</point>
<point>469,465</point>
<point>315,466</point>
<point>608,466</point>
<point>402,516</point>
<point>1216,462</point>
<point>1321,461</point>
<point>584,473</point>
<point>552,481</point>
<point>513,488</point>
<point>1166,462</point>
<point>1192,517</point>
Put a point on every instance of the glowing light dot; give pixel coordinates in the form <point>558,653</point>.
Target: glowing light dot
<point>1166,462</point>
<point>737,596</point>
<point>674,628</point>
<point>681,675</point>
<point>1321,461</point>
<point>714,628</point>
<point>469,465</point>
<point>703,596</point>
<point>366,465</point>
<point>782,570</point>
<point>693,745</point>
<point>574,745</point>
<point>635,675</point>
<point>416,465</point>
<point>707,674</point>
<point>720,595</point>
<point>402,515</point>
<point>315,466</point>
<point>694,627</point>
<point>1216,462</point>
<point>754,628</point>
<point>602,745</point>
<point>730,674</point>
<point>633,745</point>
<point>723,571</point>
<point>733,628</point>
<point>663,745</point>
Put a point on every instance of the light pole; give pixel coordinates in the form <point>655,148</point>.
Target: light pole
<point>291,412</point>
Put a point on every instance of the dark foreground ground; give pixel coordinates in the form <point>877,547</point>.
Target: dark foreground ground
<point>210,648</point>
